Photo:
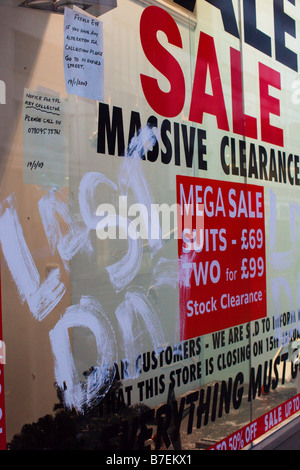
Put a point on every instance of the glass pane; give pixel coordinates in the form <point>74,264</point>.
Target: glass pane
<point>149,223</point>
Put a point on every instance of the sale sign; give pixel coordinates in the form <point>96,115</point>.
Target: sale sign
<point>222,266</point>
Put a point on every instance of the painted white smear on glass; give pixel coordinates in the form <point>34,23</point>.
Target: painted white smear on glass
<point>277,285</point>
<point>131,176</point>
<point>282,292</point>
<point>165,273</point>
<point>134,308</point>
<point>75,238</point>
<point>125,270</point>
<point>280,285</point>
<point>294,215</point>
<point>86,197</point>
<point>83,55</point>
<point>41,297</point>
<point>87,314</point>
<point>68,238</point>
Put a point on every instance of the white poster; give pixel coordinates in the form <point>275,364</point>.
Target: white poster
<point>83,55</point>
<point>44,139</point>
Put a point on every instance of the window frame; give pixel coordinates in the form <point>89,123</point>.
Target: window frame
<point>178,12</point>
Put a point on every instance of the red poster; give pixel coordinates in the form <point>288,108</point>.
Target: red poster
<point>2,398</point>
<point>221,249</point>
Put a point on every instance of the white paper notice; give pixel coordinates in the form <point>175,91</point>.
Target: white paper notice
<point>45,142</point>
<point>83,55</point>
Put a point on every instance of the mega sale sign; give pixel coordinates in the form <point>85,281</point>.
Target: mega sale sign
<point>222,264</point>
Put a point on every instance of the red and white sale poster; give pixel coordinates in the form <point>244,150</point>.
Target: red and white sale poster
<point>221,250</point>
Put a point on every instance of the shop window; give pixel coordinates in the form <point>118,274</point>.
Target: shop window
<point>93,7</point>
<point>184,11</point>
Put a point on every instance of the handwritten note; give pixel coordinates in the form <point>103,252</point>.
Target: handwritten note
<point>44,139</point>
<point>83,55</point>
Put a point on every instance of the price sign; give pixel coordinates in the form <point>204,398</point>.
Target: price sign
<point>221,249</point>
